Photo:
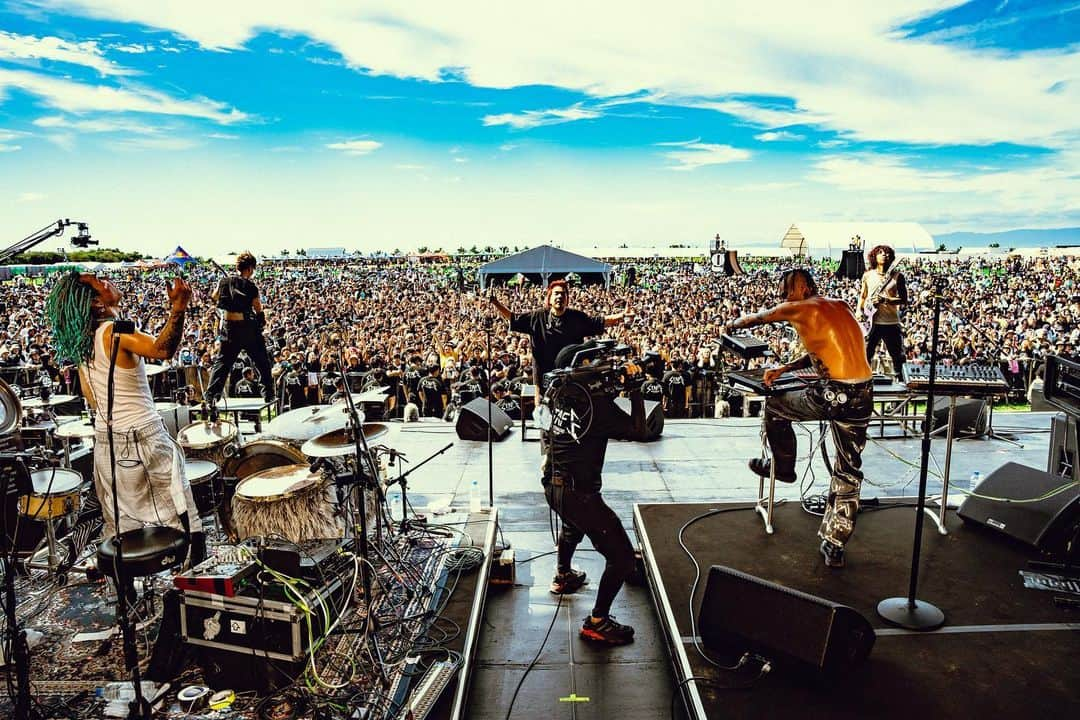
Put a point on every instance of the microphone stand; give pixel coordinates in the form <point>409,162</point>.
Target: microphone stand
<point>491,464</point>
<point>361,451</point>
<point>909,612</point>
<point>400,480</point>
<point>15,637</point>
<point>139,707</point>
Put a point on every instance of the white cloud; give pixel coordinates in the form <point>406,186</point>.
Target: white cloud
<point>5,148</point>
<point>779,136</point>
<point>693,155</point>
<point>6,135</point>
<point>30,48</point>
<point>28,197</point>
<point>537,118</point>
<point>77,97</point>
<point>154,143</point>
<point>841,66</point>
<point>96,126</point>
<point>356,147</point>
<point>222,136</point>
<point>132,49</point>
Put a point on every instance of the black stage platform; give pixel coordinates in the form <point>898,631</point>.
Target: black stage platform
<point>1005,651</point>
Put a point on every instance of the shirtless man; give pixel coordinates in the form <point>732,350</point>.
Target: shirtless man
<point>843,395</point>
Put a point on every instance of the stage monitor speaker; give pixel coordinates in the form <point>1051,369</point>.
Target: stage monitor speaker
<point>1062,458</point>
<point>731,264</point>
<point>742,613</point>
<point>472,421</point>
<point>1046,524</point>
<point>853,265</point>
<point>971,415</point>
<point>654,417</point>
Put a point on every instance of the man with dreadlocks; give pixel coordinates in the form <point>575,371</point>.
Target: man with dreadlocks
<point>152,488</point>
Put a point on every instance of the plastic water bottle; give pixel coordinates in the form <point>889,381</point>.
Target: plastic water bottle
<point>474,496</point>
<point>973,482</point>
<point>395,504</point>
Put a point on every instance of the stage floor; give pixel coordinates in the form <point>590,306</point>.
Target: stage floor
<point>1005,651</point>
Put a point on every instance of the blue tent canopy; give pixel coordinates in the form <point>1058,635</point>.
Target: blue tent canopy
<point>544,264</point>
<point>181,257</point>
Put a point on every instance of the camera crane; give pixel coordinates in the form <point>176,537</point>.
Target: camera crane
<point>82,239</point>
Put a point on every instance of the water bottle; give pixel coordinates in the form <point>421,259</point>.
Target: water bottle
<point>973,482</point>
<point>395,504</point>
<point>474,496</point>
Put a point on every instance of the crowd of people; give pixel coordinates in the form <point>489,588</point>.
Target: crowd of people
<point>424,329</point>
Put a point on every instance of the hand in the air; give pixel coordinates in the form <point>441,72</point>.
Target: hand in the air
<point>179,294</point>
<point>771,375</point>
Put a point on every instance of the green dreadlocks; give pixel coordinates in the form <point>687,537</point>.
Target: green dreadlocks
<point>69,311</point>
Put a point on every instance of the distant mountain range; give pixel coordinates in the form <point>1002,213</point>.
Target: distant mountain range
<point>1011,238</point>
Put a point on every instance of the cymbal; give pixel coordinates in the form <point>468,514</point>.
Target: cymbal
<point>77,429</point>
<point>305,423</point>
<point>152,369</point>
<point>53,400</point>
<point>338,443</point>
<point>242,404</point>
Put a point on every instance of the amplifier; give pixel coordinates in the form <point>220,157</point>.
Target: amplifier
<point>1062,386</point>
<point>217,575</point>
<point>268,627</point>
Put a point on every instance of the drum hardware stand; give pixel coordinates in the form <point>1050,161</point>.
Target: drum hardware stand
<point>15,638</point>
<point>401,480</point>
<point>909,612</point>
<point>361,450</point>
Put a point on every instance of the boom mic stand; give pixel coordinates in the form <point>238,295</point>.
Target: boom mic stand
<point>909,612</point>
<point>401,480</point>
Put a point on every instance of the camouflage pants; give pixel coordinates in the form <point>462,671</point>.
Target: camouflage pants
<point>847,408</point>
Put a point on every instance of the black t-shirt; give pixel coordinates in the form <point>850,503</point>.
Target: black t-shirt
<point>510,405</point>
<point>236,294</point>
<point>293,386</point>
<point>652,389</point>
<point>431,389</point>
<point>247,388</point>
<point>675,383</point>
<point>549,334</point>
<point>581,426</point>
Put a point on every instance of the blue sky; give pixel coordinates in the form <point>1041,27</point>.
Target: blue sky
<point>275,125</point>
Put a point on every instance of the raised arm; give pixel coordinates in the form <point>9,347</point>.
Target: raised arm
<point>499,307</point>
<point>164,346</point>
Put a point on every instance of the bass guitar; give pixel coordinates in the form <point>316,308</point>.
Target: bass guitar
<point>887,285</point>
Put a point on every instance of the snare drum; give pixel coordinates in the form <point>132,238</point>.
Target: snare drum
<point>205,441</point>
<point>289,501</point>
<point>174,415</point>
<point>56,494</point>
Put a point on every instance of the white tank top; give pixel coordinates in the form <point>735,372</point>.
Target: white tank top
<point>133,405</point>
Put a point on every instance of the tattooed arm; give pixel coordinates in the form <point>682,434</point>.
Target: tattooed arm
<point>164,346</point>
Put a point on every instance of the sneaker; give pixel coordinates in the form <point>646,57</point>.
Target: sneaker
<point>568,582</point>
<point>762,467</point>
<point>607,631</point>
<point>833,554</point>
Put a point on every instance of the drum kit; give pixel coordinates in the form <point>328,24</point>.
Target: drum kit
<point>287,483</point>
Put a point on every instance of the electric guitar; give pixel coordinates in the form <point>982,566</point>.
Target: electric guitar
<point>870,308</point>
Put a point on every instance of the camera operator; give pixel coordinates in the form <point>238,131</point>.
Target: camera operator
<point>583,418</point>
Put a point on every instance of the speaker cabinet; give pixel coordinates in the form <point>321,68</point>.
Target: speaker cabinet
<point>1047,524</point>
<point>853,265</point>
<point>654,417</point>
<point>1062,457</point>
<point>472,421</point>
<point>971,417</point>
<point>742,613</point>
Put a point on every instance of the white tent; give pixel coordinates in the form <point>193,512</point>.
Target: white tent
<point>830,239</point>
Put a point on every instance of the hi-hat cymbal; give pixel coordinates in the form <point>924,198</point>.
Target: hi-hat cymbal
<point>338,443</point>
<point>53,400</point>
<point>76,429</point>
